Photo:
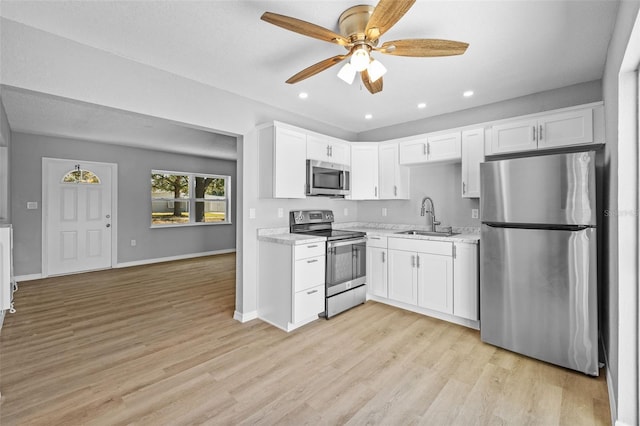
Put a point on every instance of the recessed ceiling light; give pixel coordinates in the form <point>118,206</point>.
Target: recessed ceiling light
<point>368,116</point>
<point>468,93</point>
<point>303,95</point>
<point>422,105</point>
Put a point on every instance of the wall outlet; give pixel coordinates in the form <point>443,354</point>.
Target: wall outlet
<point>32,205</point>
<point>346,211</point>
<point>280,212</point>
<point>252,213</point>
<point>384,211</point>
<point>474,213</point>
<point>133,243</point>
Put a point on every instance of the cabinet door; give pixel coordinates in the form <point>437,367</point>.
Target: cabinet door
<point>466,281</point>
<point>472,156</point>
<point>364,172</point>
<point>566,128</point>
<point>377,271</point>
<point>444,147</point>
<point>402,276</point>
<point>340,153</point>
<point>413,152</point>
<point>435,282</point>
<point>317,148</point>
<point>514,136</point>
<point>393,178</point>
<point>289,168</point>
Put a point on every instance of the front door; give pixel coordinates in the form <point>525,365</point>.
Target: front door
<point>77,198</point>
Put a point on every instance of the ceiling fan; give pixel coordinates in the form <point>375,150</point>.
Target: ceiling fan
<point>361,27</point>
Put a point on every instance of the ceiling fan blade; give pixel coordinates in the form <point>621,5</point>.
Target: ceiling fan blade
<point>374,87</point>
<point>305,28</point>
<point>385,15</point>
<point>423,47</point>
<point>316,68</point>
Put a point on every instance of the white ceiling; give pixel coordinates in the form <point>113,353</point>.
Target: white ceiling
<point>517,47</point>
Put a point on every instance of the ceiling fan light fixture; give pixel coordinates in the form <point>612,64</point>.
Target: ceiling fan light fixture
<point>360,58</point>
<point>347,73</point>
<point>376,70</point>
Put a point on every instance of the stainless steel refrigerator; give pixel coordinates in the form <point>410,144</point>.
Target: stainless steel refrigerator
<point>538,276</point>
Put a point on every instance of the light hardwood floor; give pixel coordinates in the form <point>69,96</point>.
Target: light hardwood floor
<point>157,345</point>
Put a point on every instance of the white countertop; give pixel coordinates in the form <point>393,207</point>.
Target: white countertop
<point>282,235</point>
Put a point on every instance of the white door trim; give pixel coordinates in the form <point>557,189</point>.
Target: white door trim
<point>45,199</point>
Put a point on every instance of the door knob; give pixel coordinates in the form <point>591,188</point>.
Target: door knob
<point>108,225</point>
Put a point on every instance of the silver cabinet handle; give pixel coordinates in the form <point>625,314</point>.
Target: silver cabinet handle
<point>327,150</point>
<point>312,291</point>
<point>375,189</point>
<point>424,149</point>
<point>428,148</point>
<point>417,261</point>
<point>374,238</point>
<point>330,151</point>
<point>312,261</point>
<point>413,261</point>
<point>313,246</point>
<point>534,133</point>
<point>395,190</point>
<point>383,257</point>
<point>540,133</point>
<point>464,187</point>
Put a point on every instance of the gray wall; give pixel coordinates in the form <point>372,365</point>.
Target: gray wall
<point>441,182</point>
<point>576,94</point>
<point>627,14</point>
<point>134,205</point>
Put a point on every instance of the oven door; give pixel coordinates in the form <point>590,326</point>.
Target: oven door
<point>346,265</point>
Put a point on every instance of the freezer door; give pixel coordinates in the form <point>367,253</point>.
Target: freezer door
<point>538,294</point>
<point>556,189</point>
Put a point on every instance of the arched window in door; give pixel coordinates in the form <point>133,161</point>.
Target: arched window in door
<point>79,175</point>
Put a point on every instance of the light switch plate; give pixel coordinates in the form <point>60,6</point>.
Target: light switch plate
<point>252,213</point>
<point>280,212</point>
<point>384,211</point>
<point>346,211</point>
<point>32,205</point>
<point>474,213</point>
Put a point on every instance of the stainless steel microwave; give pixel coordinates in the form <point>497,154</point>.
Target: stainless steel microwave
<point>328,179</point>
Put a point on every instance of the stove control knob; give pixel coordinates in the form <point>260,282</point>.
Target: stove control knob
<point>328,216</point>
<point>298,217</point>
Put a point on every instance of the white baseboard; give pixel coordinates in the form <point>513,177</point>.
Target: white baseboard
<point>170,258</point>
<point>29,277</point>
<point>239,316</point>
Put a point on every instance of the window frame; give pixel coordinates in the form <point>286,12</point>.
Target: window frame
<point>191,199</point>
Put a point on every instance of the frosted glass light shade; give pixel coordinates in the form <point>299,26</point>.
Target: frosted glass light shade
<point>360,59</point>
<point>376,70</point>
<point>347,73</point>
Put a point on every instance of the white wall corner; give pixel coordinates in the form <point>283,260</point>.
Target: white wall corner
<point>244,317</point>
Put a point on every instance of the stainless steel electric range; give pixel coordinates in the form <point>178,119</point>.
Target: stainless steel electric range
<point>346,256</point>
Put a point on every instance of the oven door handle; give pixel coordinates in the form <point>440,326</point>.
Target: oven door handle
<point>340,243</point>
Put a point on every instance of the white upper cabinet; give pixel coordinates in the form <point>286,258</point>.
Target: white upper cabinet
<point>431,148</point>
<point>324,148</point>
<point>565,128</point>
<point>444,147</point>
<point>472,156</point>
<point>364,171</point>
<point>413,151</point>
<point>393,178</point>
<point>515,136</point>
<point>282,166</point>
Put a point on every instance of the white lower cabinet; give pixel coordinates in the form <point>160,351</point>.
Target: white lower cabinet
<point>466,283</point>
<point>437,278</point>
<point>291,290</point>
<point>377,270</point>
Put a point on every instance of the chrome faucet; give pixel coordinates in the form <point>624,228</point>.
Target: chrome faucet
<point>429,210</point>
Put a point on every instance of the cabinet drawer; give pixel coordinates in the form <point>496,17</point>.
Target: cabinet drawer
<point>309,273</point>
<point>376,241</point>
<point>309,250</point>
<point>444,248</point>
<point>308,303</point>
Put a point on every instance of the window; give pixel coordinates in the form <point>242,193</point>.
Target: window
<point>189,198</point>
<point>79,175</point>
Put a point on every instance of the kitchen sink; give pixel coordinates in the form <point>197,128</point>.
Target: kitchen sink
<point>428,233</point>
